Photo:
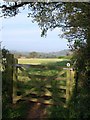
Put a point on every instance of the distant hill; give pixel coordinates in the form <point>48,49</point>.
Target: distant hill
<point>62,53</point>
<point>41,54</point>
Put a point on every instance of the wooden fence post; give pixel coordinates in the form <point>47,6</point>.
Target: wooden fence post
<point>69,84</point>
<point>72,83</point>
<point>9,76</point>
<point>15,78</point>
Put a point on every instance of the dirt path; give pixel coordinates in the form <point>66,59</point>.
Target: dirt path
<point>37,111</point>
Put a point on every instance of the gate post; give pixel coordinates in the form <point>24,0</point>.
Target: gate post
<point>69,83</point>
<point>9,76</point>
<point>15,78</point>
<point>68,86</point>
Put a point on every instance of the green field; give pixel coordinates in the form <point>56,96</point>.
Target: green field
<point>39,61</point>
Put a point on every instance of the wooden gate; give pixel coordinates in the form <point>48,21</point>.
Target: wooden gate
<point>55,88</point>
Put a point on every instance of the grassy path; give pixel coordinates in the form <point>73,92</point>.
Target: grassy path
<point>37,111</point>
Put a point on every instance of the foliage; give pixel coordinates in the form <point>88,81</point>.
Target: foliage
<point>17,111</point>
<point>65,57</point>
<point>5,78</point>
<point>33,55</point>
<point>58,112</point>
<point>71,16</point>
<point>79,103</point>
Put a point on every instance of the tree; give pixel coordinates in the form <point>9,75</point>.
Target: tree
<point>72,17</point>
<point>33,54</point>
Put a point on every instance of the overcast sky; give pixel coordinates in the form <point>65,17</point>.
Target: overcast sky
<point>19,33</point>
